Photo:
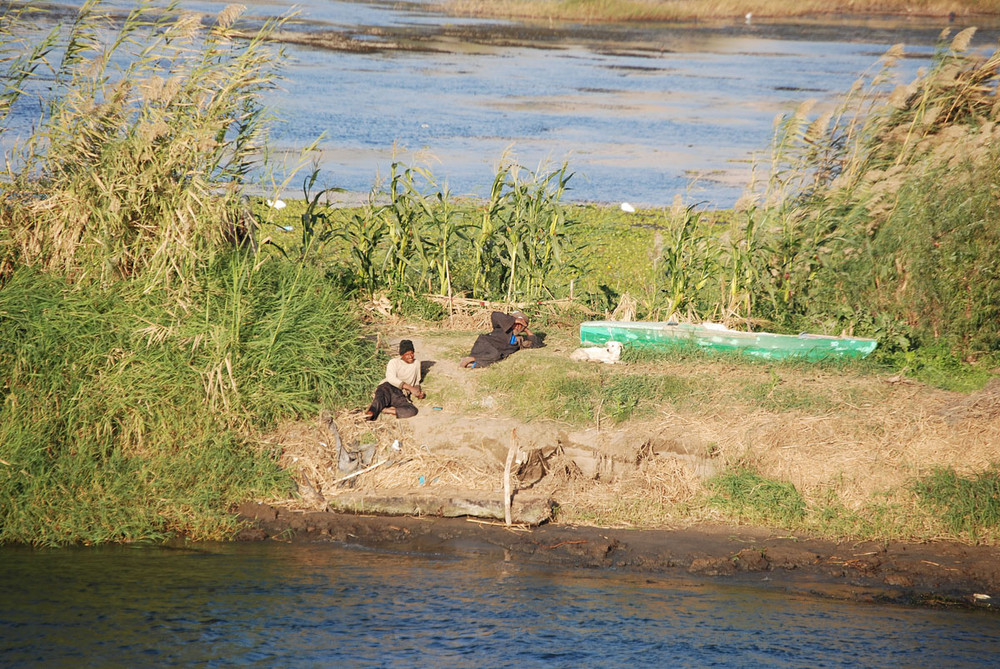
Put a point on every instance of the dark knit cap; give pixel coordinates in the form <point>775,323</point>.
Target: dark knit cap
<point>405,346</point>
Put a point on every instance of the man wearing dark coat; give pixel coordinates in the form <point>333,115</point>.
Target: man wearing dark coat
<point>509,335</point>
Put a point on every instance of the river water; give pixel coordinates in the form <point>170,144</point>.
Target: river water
<point>637,124</point>
<point>642,113</point>
<point>274,604</point>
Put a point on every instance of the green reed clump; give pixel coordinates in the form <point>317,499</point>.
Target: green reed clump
<point>883,208</point>
<point>967,505</point>
<point>751,498</point>
<point>125,417</point>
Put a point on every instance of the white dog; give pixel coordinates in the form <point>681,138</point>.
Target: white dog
<point>610,353</point>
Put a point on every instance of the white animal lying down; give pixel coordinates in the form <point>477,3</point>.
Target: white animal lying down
<point>610,353</point>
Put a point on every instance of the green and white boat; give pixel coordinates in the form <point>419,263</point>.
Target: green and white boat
<point>715,337</point>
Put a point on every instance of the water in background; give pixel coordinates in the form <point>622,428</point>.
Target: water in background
<point>276,604</point>
<point>638,124</point>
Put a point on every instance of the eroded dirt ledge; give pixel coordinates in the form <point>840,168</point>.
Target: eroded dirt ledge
<point>932,574</point>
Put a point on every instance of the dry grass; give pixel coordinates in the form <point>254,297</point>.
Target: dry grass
<point>309,450</point>
<point>657,493</point>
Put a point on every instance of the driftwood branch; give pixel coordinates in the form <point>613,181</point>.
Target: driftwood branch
<point>360,472</point>
<point>506,476</point>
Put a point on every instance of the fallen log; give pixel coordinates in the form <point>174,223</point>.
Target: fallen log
<point>451,503</point>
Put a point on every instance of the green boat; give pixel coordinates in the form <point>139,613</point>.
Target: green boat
<point>715,337</point>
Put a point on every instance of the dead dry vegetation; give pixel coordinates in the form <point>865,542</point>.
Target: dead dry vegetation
<point>846,439</point>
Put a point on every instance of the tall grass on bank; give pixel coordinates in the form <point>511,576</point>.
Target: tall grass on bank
<point>150,128</point>
<point>124,418</point>
<point>147,337</point>
<point>891,215</point>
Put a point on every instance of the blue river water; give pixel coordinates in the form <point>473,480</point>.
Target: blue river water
<point>635,125</point>
<point>641,113</point>
<point>325,605</point>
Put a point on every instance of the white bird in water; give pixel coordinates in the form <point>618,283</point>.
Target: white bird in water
<point>276,204</point>
<point>627,208</point>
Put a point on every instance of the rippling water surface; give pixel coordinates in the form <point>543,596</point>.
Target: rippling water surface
<point>328,605</point>
<point>641,113</point>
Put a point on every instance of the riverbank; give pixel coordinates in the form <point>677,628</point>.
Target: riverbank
<point>641,491</point>
<point>927,574</point>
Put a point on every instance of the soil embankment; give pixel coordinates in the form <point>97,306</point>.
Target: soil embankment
<point>939,574</point>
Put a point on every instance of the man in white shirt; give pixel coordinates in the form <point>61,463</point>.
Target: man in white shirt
<point>402,381</point>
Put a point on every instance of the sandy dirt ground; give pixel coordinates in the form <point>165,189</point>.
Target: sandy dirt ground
<point>437,480</point>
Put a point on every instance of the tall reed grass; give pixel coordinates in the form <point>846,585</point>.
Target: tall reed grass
<point>147,336</point>
<point>125,418</point>
<point>876,218</point>
<point>151,126</point>
<point>891,214</point>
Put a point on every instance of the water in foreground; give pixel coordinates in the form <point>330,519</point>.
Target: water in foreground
<point>329,605</point>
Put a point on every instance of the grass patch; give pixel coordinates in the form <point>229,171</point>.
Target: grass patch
<point>939,367</point>
<point>965,505</point>
<point>752,498</point>
<point>775,395</point>
<point>533,387</point>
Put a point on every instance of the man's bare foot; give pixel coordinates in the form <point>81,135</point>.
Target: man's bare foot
<point>369,415</point>
<point>466,362</point>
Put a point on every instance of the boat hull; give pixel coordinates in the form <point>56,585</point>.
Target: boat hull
<point>651,334</point>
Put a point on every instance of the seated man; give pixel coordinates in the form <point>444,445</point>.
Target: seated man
<point>402,380</point>
<point>509,335</point>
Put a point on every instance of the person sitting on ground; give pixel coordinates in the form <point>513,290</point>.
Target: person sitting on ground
<point>402,381</point>
<point>509,335</point>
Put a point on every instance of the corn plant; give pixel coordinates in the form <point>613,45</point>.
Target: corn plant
<point>404,217</point>
<point>444,233</point>
<point>688,262</point>
<point>487,227</point>
<point>525,227</point>
<point>363,232</point>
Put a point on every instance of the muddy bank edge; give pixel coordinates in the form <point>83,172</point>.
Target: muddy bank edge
<point>931,574</point>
